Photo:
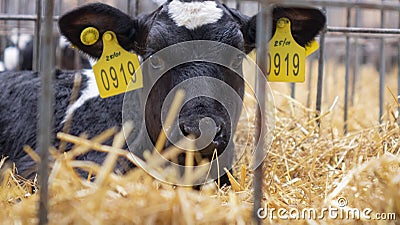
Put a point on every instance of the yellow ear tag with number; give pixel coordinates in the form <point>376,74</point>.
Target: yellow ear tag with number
<point>117,71</point>
<point>286,59</point>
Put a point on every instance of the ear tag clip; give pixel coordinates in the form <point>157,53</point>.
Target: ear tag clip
<point>286,59</point>
<point>89,36</point>
<point>117,71</point>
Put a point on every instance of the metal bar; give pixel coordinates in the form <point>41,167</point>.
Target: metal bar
<point>309,81</point>
<point>22,17</point>
<point>356,59</point>
<point>293,90</point>
<point>347,75</point>
<point>128,8</point>
<point>341,3</point>
<point>19,9</point>
<point>3,41</point>
<point>376,36</point>
<point>320,73</point>
<point>238,4</point>
<point>58,50</point>
<point>398,75</point>
<point>2,6</point>
<point>382,69</point>
<point>60,7</point>
<point>264,31</point>
<point>326,86</point>
<point>136,12</point>
<point>333,39</point>
<point>45,108</point>
<point>360,30</point>
<point>36,38</point>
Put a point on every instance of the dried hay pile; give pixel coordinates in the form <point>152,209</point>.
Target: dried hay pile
<point>307,167</point>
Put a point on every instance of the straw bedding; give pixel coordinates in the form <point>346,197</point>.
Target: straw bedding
<point>307,167</point>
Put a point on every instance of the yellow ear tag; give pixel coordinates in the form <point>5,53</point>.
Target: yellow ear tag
<point>286,59</point>
<point>117,71</point>
<point>311,47</point>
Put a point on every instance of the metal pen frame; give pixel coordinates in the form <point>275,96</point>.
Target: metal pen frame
<point>348,32</point>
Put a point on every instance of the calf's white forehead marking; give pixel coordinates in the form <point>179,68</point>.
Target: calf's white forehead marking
<point>194,14</point>
<point>91,91</point>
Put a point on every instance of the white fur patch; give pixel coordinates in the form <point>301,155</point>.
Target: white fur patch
<point>63,42</point>
<point>20,40</point>
<point>91,91</point>
<point>2,67</point>
<point>11,58</point>
<point>194,14</point>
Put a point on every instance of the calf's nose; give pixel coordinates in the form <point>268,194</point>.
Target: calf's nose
<point>208,132</point>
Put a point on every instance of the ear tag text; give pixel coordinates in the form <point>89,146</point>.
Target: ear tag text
<point>117,71</point>
<point>286,59</point>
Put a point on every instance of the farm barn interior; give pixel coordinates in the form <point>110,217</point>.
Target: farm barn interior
<point>324,150</point>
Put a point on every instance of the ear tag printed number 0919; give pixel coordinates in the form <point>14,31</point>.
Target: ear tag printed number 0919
<point>117,71</point>
<point>286,59</point>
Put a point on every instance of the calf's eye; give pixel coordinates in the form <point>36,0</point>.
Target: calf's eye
<point>156,62</point>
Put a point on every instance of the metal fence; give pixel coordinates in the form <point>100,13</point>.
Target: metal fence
<point>346,35</point>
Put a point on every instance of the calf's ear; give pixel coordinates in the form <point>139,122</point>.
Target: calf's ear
<point>103,18</point>
<point>306,23</point>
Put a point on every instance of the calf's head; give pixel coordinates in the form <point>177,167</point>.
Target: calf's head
<point>182,21</point>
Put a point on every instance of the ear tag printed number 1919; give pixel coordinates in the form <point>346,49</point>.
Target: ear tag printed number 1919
<point>286,59</point>
<point>117,71</point>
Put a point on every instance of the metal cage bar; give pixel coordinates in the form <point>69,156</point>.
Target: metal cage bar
<point>318,101</point>
<point>382,68</point>
<point>264,26</point>
<point>398,75</point>
<point>347,74</point>
<point>342,4</point>
<point>45,108</point>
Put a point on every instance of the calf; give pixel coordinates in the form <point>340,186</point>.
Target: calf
<point>18,55</point>
<point>172,23</point>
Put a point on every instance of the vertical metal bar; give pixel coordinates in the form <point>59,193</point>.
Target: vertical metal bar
<point>45,108</point>
<point>264,30</point>
<point>320,73</point>
<point>309,81</point>
<point>327,70</point>
<point>357,62</point>
<point>347,75</point>
<point>293,90</point>
<point>136,10</point>
<point>382,69</point>
<point>36,38</point>
<point>238,4</point>
<point>129,5</point>
<point>58,50</point>
<point>6,10</point>
<point>398,75</point>
<point>77,60</point>
<point>60,7</point>
<point>19,12</point>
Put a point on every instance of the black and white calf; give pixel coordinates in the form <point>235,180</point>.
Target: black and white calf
<point>173,22</point>
<point>21,58</point>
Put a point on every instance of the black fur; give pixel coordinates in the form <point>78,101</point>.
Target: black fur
<point>18,107</point>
